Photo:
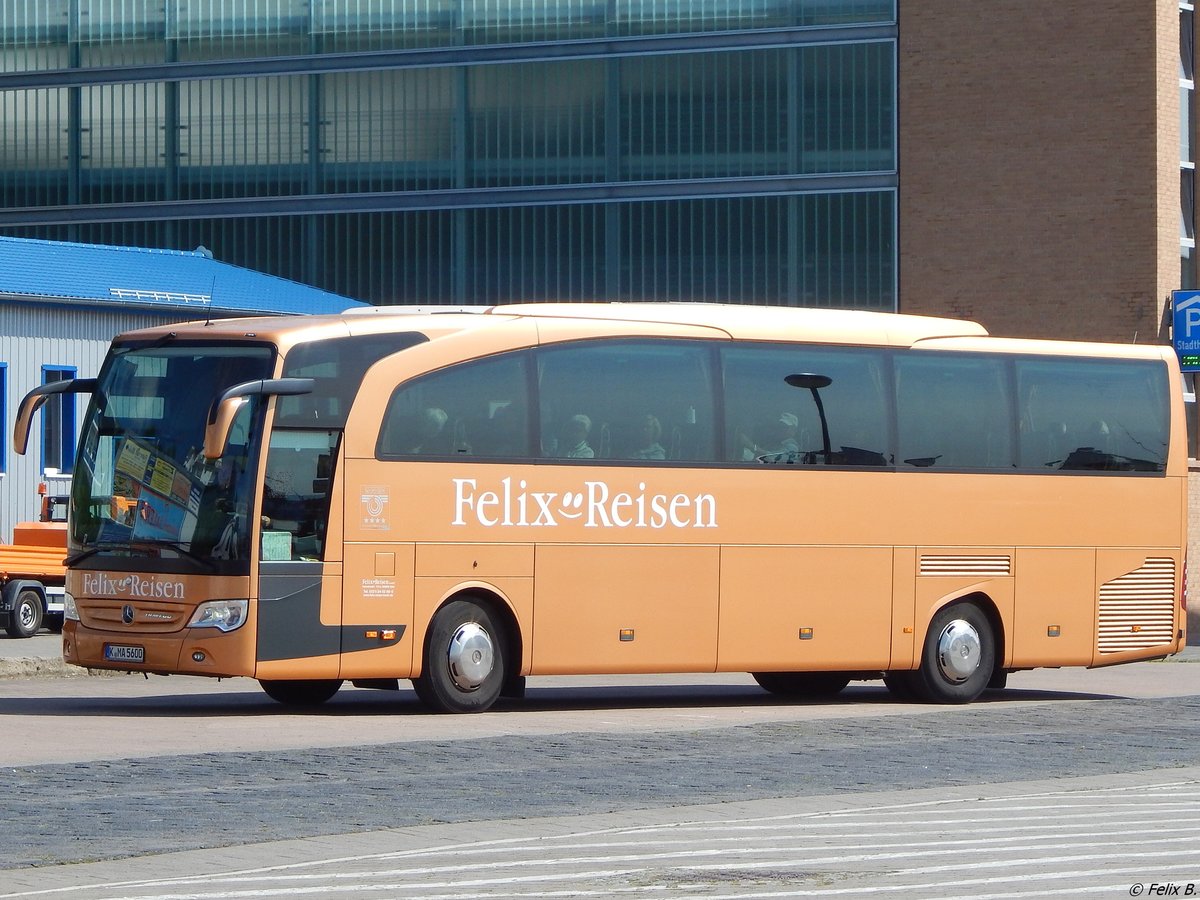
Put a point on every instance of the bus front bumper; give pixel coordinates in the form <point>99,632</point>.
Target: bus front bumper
<point>191,651</point>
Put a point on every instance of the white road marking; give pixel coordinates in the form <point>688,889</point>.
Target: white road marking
<point>1023,845</point>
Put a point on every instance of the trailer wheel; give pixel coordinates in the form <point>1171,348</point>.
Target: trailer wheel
<point>25,617</point>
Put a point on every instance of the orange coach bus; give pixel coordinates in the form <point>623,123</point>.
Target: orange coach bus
<point>465,499</point>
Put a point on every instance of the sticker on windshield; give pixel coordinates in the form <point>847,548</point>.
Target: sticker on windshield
<point>157,519</point>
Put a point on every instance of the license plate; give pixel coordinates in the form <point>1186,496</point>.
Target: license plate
<point>117,653</point>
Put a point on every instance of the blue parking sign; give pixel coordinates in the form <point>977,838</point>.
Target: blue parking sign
<point>1185,307</point>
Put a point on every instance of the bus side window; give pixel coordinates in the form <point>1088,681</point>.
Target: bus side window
<point>772,412</point>
<point>649,401</point>
<point>1092,414</point>
<point>953,411</point>
<point>476,409</point>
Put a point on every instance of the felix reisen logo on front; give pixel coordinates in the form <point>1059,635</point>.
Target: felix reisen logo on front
<point>133,587</point>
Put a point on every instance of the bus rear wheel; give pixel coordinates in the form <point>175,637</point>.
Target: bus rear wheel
<point>301,693</point>
<point>465,654</point>
<point>958,657</point>
<point>802,684</point>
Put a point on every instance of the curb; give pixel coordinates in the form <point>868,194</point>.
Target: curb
<point>47,668</point>
<point>36,668</point>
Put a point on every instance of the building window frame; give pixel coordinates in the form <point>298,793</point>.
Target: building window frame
<point>3,417</point>
<point>1187,149</point>
<point>58,424</point>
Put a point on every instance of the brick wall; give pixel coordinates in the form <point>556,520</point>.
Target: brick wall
<point>1039,172</point>
<point>1039,164</point>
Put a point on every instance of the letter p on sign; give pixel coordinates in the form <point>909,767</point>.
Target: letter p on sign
<point>1191,320</point>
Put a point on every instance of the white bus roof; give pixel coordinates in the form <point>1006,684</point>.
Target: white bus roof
<point>763,322</point>
<point>740,322</point>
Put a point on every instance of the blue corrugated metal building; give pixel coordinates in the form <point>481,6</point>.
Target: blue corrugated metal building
<point>60,306</point>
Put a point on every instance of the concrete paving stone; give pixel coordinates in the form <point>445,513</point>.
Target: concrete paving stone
<point>387,849</point>
<point>131,806</point>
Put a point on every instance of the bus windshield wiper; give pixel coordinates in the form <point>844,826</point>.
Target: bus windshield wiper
<point>93,550</point>
<point>138,546</point>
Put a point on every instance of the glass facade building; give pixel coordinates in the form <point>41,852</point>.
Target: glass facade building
<point>468,151</point>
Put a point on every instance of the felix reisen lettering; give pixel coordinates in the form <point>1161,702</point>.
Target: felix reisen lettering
<point>596,506</point>
<point>134,587</point>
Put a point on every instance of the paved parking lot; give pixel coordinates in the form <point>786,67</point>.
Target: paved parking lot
<point>1094,835</point>
<point>678,786</point>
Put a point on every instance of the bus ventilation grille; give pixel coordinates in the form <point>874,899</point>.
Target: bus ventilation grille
<point>1137,610</point>
<point>969,566</point>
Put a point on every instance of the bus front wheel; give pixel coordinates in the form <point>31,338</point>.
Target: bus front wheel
<point>301,693</point>
<point>814,685</point>
<point>958,657</point>
<point>463,670</point>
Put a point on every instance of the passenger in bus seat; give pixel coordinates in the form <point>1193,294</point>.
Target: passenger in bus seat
<point>774,438</point>
<point>431,432</point>
<point>786,431</point>
<point>651,434</point>
<point>575,438</point>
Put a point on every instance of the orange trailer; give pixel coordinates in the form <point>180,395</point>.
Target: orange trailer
<point>32,576</point>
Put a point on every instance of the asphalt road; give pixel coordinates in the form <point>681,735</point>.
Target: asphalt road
<point>105,768</point>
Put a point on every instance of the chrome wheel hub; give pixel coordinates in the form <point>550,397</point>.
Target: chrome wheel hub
<point>26,615</point>
<point>471,656</point>
<point>959,651</point>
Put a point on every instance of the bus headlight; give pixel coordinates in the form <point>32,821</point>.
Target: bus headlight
<point>70,610</point>
<point>226,615</point>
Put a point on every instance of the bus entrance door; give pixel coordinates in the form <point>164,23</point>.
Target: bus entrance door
<point>299,619</point>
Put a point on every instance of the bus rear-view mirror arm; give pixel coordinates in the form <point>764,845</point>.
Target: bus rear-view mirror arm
<point>814,383</point>
<point>33,401</point>
<point>220,418</point>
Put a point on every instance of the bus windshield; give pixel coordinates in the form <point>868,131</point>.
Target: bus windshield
<point>143,486</point>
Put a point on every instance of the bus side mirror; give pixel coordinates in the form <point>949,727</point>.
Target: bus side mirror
<point>220,417</point>
<point>216,432</point>
<point>33,401</point>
